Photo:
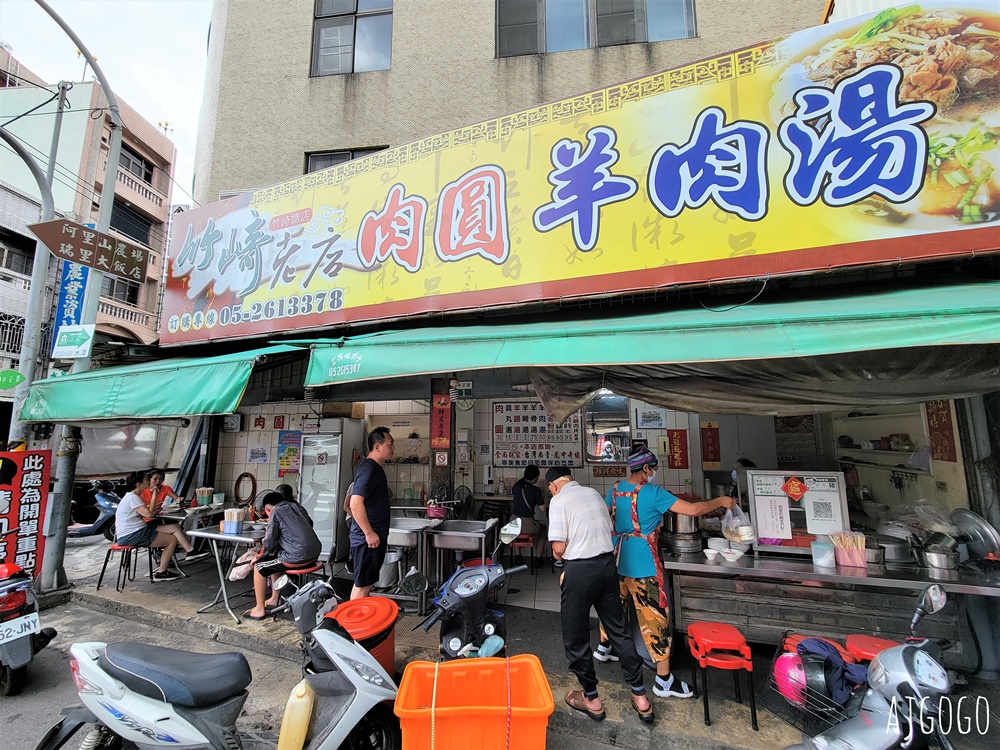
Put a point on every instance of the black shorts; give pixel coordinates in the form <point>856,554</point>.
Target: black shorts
<point>268,566</point>
<point>367,562</point>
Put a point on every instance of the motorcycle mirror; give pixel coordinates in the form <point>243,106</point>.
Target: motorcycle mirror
<point>511,531</point>
<point>281,582</point>
<point>932,599</point>
<point>413,584</point>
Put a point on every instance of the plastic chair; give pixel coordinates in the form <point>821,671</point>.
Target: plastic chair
<point>126,564</point>
<point>865,647</point>
<point>299,577</point>
<point>720,646</point>
<point>519,543</point>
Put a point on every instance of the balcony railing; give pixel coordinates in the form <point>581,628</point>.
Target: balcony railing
<point>136,185</point>
<point>126,312</point>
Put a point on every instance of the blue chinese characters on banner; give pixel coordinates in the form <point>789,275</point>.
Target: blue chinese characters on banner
<point>868,142</point>
<point>582,183</point>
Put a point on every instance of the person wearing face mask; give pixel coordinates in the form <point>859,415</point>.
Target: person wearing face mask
<point>637,507</point>
<point>742,464</point>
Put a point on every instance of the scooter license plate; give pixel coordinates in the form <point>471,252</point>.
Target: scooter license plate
<point>14,629</point>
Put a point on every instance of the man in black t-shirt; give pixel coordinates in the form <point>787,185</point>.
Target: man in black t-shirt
<point>370,513</point>
<point>527,497</point>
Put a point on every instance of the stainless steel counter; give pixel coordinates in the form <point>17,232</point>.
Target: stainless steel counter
<point>910,577</point>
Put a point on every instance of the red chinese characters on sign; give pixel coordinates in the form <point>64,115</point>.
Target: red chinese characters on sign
<point>397,230</point>
<point>259,422</point>
<point>711,448</point>
<point>441,422</point>
<point>941,430</point>
<point>279,422</point>
<point>472,217</point>
<point>794,488</point>
<point>24,492</point>
<point>677,457</point>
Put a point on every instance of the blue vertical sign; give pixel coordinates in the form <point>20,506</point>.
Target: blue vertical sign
<point>71,290</point>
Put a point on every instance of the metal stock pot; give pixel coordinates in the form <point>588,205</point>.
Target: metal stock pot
<point>675,523</point>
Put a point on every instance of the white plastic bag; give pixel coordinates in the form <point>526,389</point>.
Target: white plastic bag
<point>736,526</point>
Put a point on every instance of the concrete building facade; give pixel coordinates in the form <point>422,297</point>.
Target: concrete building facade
<point>277,99</point>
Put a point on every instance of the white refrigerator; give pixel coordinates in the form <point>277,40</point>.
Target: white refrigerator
<point>327,470</point>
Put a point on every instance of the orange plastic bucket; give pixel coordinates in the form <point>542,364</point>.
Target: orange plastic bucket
<point>371,621</point>
<point>470,710</point>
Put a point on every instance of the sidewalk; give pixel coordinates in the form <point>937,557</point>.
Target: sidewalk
<point>173,606</point>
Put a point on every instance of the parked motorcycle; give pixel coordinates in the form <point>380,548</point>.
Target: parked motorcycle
<point>147,697</point>
<point>901,706</point>
<point>21,637</point>
<point>93,510</point>
<point>468,626</point>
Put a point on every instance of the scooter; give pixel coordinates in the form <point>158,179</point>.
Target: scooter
<point>468,627</point>
<point>148,697</point>
<point>106,504</point>
<point>901,706</point>
<point>21,637</point>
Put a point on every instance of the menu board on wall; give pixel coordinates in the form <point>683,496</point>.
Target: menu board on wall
<point>525,433</point>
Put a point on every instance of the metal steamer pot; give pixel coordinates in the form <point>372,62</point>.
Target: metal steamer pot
<point>675,523</point>
<point>896,550</point>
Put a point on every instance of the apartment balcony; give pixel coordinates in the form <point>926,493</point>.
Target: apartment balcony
<point>14,289</point>
<point>143,196</point>
<point>116,317</point>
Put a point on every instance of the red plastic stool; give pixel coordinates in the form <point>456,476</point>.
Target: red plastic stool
<point>126,565</point>
<point>475,562</point>
<point>519,543</point>
<point>865,647</point>
<point>714,644</point>
<point>301,577</point>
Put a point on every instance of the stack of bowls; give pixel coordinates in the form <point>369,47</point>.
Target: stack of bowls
<point>741,546</point>
<point>718,543</point>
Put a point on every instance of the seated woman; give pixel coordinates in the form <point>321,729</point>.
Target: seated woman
<point>290,543</point>
<point>131,529</point>
<point>158,493</point>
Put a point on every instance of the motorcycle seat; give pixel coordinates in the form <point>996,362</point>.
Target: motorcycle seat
<point>181,678</point>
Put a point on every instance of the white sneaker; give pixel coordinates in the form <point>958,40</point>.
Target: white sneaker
<point>672,688</point>
<point>603,653</point>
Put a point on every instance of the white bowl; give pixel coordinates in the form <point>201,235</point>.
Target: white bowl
<point>731,555</point>
<point>191,511</point>
<point>718,544</point>
<point>711,554</point>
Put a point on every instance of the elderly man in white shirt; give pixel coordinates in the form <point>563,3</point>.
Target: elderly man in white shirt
<point>580,534</point>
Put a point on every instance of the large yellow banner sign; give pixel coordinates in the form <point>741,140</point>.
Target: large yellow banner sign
<point>868,141</point>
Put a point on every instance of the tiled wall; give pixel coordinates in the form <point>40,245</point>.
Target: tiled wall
<point>234,447</point>
<point>671,479</point>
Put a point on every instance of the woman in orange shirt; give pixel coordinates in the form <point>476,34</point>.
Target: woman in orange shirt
<point>158,492</point>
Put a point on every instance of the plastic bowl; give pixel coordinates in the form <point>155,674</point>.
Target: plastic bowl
<point>731,555</point>
<point>191,511</point>
<point>711,554</point>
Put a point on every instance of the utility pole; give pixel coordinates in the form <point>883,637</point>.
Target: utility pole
<point>53,576</point>
<point>32,339</point>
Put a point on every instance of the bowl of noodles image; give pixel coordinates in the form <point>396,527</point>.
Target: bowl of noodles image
<point>948,56</point>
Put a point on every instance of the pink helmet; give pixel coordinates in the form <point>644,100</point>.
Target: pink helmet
<point>790,678</point>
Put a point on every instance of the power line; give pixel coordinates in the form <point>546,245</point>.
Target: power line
<point>24,114</point>
<point>26,80</point>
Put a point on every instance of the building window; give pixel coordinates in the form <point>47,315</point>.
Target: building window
<point>528,27</point>
<point>16,260</point>
<point>326,159</point>
<point>120,289</point>
<point>136,164</point>
<point>130,222</point>
<point>351,36</point>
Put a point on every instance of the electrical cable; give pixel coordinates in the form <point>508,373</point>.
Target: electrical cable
<point>763,286</point>
<point>28,81</point>
<point>39,106</point>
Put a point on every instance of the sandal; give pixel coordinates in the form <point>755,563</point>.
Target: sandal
<point>576,701</point>
<point>254,617</point>
<point>646,717</point>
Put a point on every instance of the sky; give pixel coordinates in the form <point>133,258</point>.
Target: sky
<point>151,51</point>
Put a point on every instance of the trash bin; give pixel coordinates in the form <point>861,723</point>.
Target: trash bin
<point>388,575</point>
<point>372,623</point>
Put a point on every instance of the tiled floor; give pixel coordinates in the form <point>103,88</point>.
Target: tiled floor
<point>539,591</point>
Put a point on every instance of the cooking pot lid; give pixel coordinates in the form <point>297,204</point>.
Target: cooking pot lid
<point>983,538</point>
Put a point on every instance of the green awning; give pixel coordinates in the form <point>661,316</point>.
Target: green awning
<point>968,314</point>
<point>183,387</point>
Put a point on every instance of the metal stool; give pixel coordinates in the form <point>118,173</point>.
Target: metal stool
<point>298,578</point>
<point>714,644</point>
<point>126,564</point>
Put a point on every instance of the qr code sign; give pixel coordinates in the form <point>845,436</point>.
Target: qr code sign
<point>822,510</point>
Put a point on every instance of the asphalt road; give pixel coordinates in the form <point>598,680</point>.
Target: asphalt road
<point>25,718</point>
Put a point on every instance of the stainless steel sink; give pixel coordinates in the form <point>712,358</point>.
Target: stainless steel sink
<point>405,532</point>
<point>461,535</point>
